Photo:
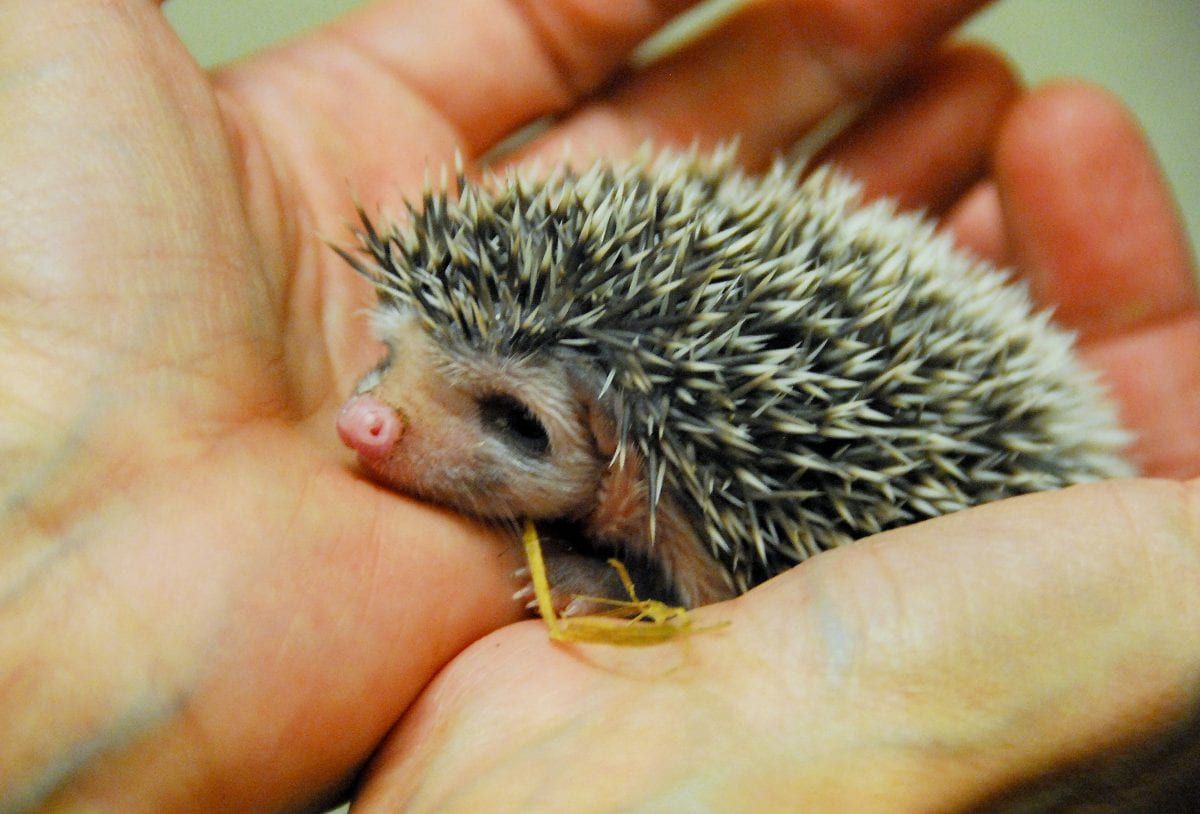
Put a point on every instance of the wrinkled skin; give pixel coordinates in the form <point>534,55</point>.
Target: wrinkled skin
<point>202,604</point>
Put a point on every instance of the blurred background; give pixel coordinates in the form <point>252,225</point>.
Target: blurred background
<point>1147,51</point>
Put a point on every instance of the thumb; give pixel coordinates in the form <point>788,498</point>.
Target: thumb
<point>991,646</point>
<point>926,669</point>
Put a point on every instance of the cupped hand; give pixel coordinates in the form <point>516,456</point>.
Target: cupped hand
<point>1036,654</point>
<point>201,605</point>
<point>1040,652</point>
<point>931,668</point>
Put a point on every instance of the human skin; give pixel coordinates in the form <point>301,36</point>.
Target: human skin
<point>203,606</point>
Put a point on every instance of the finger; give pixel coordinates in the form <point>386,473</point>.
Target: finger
<point>484,67</point>
<point>1155,373</point>
<point>768,74</point>
<point>1052,595</point>
<point>374,101</point>
<point>917,671</point>
<point>1072,163</point>
<point>1089,218</point>
<point>258,664</point>
<point>975,221</point>
<point>929,140</point>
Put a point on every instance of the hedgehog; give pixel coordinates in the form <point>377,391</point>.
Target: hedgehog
<point>709,374</point>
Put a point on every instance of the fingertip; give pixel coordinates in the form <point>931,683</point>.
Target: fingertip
<point>1070,121</point>
<point>1090,218</point>
<point>1063,103</point>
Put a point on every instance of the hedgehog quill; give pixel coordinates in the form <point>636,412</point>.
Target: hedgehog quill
<point>709,375</point>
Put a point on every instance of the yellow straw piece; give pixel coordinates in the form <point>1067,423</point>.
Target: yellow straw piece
<point>632,623</point>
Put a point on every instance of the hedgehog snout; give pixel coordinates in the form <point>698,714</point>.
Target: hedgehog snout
<point>370,427</point>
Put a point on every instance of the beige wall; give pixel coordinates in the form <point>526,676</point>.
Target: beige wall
<point>1148,51</point>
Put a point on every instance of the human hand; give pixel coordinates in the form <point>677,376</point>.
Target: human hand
<point>1038,652</point>
<point>202,605</point>
<point>932,667</point>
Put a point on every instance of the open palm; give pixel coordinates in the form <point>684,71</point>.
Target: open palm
<point>200,603</point>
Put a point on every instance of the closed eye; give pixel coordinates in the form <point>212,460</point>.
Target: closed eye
<point>371,380</point>
<point>513,422</point>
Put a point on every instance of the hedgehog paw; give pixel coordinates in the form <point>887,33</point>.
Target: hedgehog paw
<point>576,582</point>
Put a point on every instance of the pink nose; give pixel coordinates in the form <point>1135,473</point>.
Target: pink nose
<point>369,427</point>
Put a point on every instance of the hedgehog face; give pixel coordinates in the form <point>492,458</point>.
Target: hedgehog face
<point>496,437</point>
<point>505,438</point>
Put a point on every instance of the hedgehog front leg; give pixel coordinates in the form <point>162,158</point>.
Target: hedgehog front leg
<point>583,582</point>
<point>628,622</point>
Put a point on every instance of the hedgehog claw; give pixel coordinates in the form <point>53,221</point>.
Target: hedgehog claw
<point>578,606</point>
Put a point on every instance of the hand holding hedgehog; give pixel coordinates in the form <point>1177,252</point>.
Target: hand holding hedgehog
<point>202,607</point>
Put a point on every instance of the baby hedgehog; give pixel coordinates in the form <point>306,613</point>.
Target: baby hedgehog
<point>708,375</point>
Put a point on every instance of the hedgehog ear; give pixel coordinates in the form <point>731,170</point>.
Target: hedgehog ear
<point>622,482</point>
<point>599,411</point>
<point>622,509</point>
<point>604,430</point>
<point>622,516</point>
